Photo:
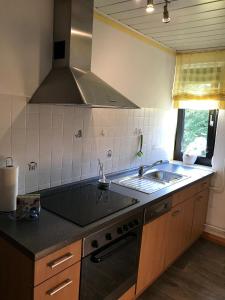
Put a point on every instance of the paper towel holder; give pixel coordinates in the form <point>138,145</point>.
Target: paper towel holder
<point>9,162</point>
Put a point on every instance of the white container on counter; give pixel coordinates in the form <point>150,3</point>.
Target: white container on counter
<point>8,187</point>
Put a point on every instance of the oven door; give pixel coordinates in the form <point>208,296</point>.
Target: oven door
<point>112,270</point>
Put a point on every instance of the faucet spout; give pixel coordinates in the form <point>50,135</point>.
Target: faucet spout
<point>143,169</point>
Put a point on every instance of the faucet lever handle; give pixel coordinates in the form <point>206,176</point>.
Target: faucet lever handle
<point>141,170</point>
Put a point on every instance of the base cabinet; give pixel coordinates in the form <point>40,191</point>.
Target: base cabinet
<point>178,234</point>
<point>129,295</point>
<point>167,237</point>
<point>55,276</point>
<point>200,212</point>
<point>174,236</point>
<point>151,263</point>
<point>188,212</point>
<point>63,286</point>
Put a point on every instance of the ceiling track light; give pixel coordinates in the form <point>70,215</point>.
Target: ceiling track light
<point>150,6</point>
<point>166,17</point>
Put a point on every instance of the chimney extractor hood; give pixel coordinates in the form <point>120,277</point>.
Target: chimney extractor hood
<point>71,81</point>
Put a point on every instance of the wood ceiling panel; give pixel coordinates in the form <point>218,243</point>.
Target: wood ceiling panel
<point>136,6</point>
<point>185,25</point>
<point>122,11</point>
<point>199,40</point>
<point>210,34</point>
<point>176,13</point>
<point>199,46</point>
<point>195,24</point>
<point>174,33</point>
<point>181,20</point>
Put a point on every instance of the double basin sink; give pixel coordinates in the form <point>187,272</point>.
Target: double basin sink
<point>151,181</point>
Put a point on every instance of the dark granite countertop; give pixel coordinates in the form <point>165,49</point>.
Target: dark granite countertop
<point>50,233</point>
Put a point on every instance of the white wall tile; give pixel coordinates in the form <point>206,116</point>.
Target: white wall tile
<point>32,145</point>
<point>32,121</point>
<point>57,121</point>
<point>44,179</point>
<point>46,134</point>
<point>56,176</point>
<point>33,108</point>
<point>5,142</point>
<point>19,112</point>
<point>45,121</point>
<point>31,181</point>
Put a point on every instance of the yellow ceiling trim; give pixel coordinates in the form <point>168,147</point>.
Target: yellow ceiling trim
<point>123,28</point>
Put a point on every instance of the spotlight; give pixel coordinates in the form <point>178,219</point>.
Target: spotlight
<point>150,6</point>
<point>166,17</point>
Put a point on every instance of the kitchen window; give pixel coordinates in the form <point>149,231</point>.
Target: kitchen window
<point>196,132</point>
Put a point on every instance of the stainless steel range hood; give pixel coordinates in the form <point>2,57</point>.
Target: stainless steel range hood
<point>71,81</point>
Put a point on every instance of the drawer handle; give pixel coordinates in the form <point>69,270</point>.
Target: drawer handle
<point>59,287</point>
<point>60,260</point>
<point>175,213</point>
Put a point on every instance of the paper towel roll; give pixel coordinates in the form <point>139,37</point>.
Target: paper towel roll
<point>8,188</point>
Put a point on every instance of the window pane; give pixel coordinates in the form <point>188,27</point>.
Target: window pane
<point>195,132</point>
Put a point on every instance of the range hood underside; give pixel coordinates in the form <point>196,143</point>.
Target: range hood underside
<point>71,87</point>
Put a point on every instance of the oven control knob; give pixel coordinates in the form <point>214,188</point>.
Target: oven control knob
<point>125,227</point>
<point>108,236</point>
<point>119,230</point>
<point>94,244</point>
<point>131,224</point>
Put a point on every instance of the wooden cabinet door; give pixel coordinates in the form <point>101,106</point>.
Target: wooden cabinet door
<point>151,263</point>
<point>174,234</point>
<point>188,212</point>
<point>200,212</point>
<point>129,295</point>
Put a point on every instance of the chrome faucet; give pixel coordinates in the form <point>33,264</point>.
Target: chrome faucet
<point>143,169</point>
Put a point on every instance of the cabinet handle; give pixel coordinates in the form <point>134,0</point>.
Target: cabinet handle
<point>59,287</point>
<point>204,184</point>
<point>176,212</point>
<point>55,263</point>
<point>199,198</point>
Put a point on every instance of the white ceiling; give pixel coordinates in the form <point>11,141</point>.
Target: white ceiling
<point>194,25</point>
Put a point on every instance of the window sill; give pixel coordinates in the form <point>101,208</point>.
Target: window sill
<point>196,166</point>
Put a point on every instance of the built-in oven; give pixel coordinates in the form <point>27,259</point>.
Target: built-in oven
<point>110,260</point>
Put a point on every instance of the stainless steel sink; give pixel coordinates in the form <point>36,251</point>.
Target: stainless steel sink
<point>151,182</point>
<point>164,176</point>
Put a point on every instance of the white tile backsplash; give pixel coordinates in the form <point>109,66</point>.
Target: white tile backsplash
<point>46,134</point>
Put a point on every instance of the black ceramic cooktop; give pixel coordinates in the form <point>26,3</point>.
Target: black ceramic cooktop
<point>84,205</point>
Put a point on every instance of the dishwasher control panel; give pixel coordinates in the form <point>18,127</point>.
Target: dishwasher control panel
<point>156,210</point>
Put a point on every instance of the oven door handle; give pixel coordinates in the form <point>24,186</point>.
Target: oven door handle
<point>115,247</point>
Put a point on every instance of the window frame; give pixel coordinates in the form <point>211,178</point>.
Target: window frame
<point>178,154</point>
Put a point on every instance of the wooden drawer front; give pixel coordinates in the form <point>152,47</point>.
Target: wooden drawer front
<point>189,192</point>
<point>186,193</point>
<point>203,185</point>
<point>64,286</point>
<point>129,295</point>
<point>56,262</point>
